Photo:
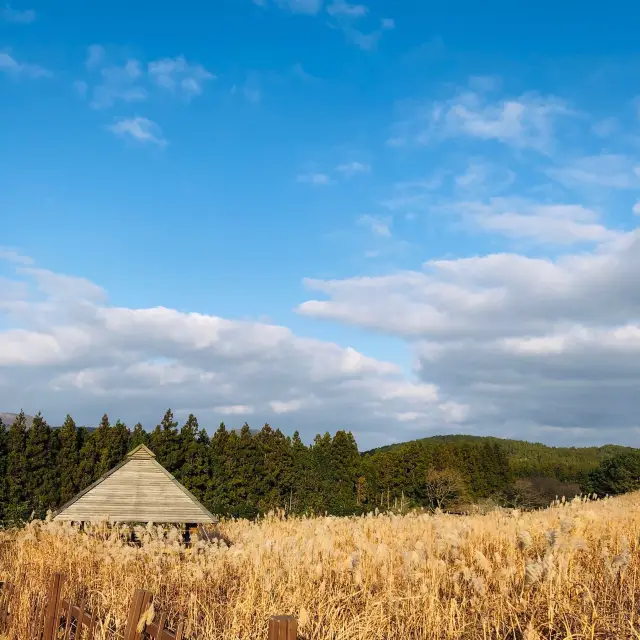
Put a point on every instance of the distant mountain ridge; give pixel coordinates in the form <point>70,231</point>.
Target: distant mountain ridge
<point>512,446</point>
<point>8,418</point>
<point>525,458</point>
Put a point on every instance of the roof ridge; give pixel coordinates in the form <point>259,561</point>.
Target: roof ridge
<point>141,451</point>
<point>141,458</point>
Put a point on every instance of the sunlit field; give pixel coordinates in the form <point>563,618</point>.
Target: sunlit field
<point>570,571</point>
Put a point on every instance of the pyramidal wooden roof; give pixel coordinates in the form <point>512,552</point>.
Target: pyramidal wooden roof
<point>139,489</point>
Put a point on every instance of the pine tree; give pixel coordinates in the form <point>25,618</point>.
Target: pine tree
<point>202,465</point>
<point>165,443</point>
<point>17,508</point>
<point>156,443</point>
<point>344,472</point>
<point>220,493</point>
<point>238,473</point>
<point>414,464</point>
<point>320,474</point>
<point>301,474</point>
<point>68,457</point>
<point>102,437</point>
<point>138,436</point>
<point>41,486</point>
<point>117,446</point>
<point>249,474</point>
<point>278,470</point>
<point>89,459</point>
<point>193,446</point>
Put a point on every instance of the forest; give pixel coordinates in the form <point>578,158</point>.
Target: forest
<point>245,473</point>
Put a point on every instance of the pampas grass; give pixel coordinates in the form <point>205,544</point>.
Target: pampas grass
<point>570,571</point>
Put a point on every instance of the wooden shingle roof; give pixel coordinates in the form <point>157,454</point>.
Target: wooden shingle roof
<point>139,489</point>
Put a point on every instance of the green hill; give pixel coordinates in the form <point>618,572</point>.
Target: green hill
<point>526,459</point>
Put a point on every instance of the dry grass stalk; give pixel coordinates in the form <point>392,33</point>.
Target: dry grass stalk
<point>568,572</point>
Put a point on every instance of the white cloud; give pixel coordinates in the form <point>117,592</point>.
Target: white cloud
<point>344,14</point>
<point>140,129</point>
<point>558,224</point>
<point>484,177</point>
<point>493,293</point>
<point>455,412</point>
<point>60,287</point>
<point>380,226</point>
<point>416,194</point>
<point>636,208</point>
<point>12,255</point>
<point>11,66</point>
<point>350,169</point>
<point>611,171</point>
<point>119,83</point>
<point>309,7</point>
<point>18,347</point>
<point>342,8</point>
<point>299,72</point>
<point>234,410</point>
<point>280,407</point>
<point>314,178</point>
<point>178,76</point>
<point>522,343</point>
<point>366,41</point>
<point>18,17</point>
<point>95,56</point>
<point>132,81</point>
<point>74,352</point>
<point>525,122</point>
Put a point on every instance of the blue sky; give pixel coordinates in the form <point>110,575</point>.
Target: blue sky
<point>446,191</point>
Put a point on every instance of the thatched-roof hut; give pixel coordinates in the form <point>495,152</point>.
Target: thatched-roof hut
<point>139,489</point>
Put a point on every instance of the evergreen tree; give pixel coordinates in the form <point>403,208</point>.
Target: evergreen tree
<point>249,474</point>
<point>278,470</point>
<point>89,459</point>
<point>220,493</point>
<point>302,487</point>
<point>68,458</point>
<point>619,474</point>
<point>138,436</point>
<point>17,508</point>
<point>102,437</point>
<point>343,473</point>
<point>201,470</point>
<point>165,443</point>
<point>117,445</point>
<point>41,482</point>
<point>240,474</point>
<point>320,473</point>
<point>195,460</point>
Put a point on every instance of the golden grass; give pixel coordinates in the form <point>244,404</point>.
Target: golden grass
<point>570,571</point>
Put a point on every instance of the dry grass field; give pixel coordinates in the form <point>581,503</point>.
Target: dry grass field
<point>571,571</point>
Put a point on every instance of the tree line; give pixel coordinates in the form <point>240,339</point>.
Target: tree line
<point>533,459</point>
<point>244,473</point>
